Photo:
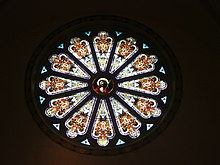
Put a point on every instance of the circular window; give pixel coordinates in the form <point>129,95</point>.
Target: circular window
<point>103,85</point>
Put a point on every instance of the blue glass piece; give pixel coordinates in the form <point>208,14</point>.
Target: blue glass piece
<point>88,33</point>
<point>164,99</point>
<point>57,126</point>
<point>120,142</point>
<point>162,70</point>
<point>145,46</point>
<point>86,142</point>
<point>149,126</point>
<point>43,70</point>
<point>61,46</point>
<point>118,33</point>
<point>41,99</point>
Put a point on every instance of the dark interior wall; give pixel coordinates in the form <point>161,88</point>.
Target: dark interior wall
<point>187,26</point>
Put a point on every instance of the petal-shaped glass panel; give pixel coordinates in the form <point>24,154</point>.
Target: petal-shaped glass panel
<point>64,64</point>
<point>141,64</point>
<point>127,123</point>
<point>150,85</point>
<point>82,51</point>
<point>103,127</point>
<point>62,106</point>
<point>103,46</point>
<point>79,122</point>
<point>145,107</point>
<point>54,85</point>
<point>125,49</point>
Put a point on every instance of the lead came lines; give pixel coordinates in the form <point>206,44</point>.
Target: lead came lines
<point>78,121</point>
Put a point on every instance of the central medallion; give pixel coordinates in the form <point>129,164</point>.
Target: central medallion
<point>102,85</point>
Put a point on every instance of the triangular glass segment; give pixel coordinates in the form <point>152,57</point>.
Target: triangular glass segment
<point>120,142</point>
<point>62,63</point>
<point>88,33</point>
<point>126,122</point>
<point>118,33</point>
<point>43,70</point>
<point>82,51</point>
<point>145,46</point>
<point>103,46</point>
<point>60,107</point>
<point>162,70</point>
<point>78,123</point>
<point>125,49</point>
<point>61,46</point>
<point>150,85</point>
<point>145,107</point>
<point>164,99</point>
<point>149,126</point>
<point>41,99</point>
<point>57,126</point>
<point>141,64</point>
<point>103,129</point>
<point>86,142</point>
<point>54,85</point>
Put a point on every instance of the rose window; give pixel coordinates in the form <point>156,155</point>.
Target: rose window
<point>103,85</point>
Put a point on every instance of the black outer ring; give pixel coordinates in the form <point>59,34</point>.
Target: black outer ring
<point>177,78</point>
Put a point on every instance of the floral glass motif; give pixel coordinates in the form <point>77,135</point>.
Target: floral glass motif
<point>150,85</point>
<point>103,46</point>
<point>63,64</point>
<point>127,124</point>
<point>82,51</point>
<point>79,122</point>
<point>141,64</point>
<point>145,107</point>
<point>110,100</point>
<point>103,127</point>
<point>54,85</point>
<point>125,49</point>
<point>62,106</point>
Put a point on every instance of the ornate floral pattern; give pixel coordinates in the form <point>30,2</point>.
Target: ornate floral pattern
<point>125,49</point>
<point>127,124</point>
<point>54,85</point>
<point>150,85</point>
<point>63,64</point>
<point>145,107</point>
<point>103,127</point>
<point>82,51</point>
<point>141,64</point>
<point>128,110</point>
<point>103,46</point>
<point>79,122</point>
<point>62,106</point>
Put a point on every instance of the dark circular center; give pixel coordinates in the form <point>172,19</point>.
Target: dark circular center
<point>102,85</point>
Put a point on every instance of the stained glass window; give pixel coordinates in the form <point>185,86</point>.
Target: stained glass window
<point>103,85</point>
